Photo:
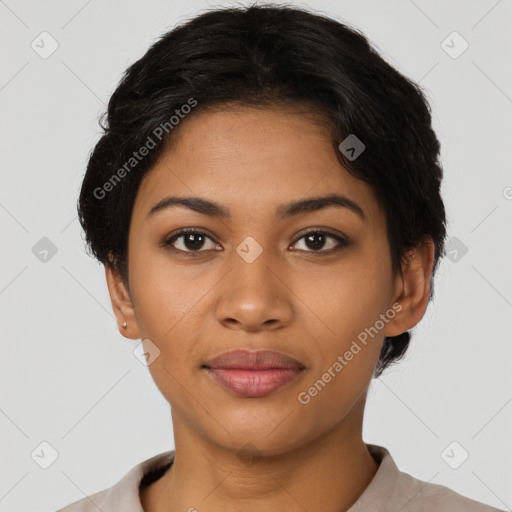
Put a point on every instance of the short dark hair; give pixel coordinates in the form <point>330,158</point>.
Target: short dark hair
<point>269,56</point>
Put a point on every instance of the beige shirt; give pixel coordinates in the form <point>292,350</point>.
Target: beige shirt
<point>390,490</point>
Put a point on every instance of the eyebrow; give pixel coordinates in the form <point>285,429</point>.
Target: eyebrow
<point>284,211</point>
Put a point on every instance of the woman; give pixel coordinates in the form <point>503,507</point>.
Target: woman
<point>266,202</point>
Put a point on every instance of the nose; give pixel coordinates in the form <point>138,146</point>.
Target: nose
<point>254,296</point>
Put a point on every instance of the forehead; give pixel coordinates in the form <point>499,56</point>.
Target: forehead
<point>251,160</point>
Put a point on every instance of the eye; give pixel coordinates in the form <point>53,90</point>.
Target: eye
<point>193,240</point>
<point>318,240</point>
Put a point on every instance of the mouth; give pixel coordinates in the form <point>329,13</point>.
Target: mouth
<point>253,374</point>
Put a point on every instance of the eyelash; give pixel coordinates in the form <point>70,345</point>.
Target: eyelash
<point>343,242</point>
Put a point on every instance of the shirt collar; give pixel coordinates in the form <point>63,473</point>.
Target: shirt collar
<point>380,489</point>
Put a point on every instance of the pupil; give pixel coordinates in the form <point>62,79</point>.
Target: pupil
<point>317,244</point>
<point>196,237</point>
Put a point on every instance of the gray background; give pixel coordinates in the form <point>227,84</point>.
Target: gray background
<point>68,378</point>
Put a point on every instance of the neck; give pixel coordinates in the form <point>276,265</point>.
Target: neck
<point>327,474</point>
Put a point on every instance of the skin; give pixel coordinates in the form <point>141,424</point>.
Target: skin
<point>293,298</point>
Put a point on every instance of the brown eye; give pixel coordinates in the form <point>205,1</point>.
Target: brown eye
<point>321,241</point>
<point>191,240</point>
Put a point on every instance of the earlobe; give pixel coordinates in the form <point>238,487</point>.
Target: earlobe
<point>414,284</point>
<point>121,304</point>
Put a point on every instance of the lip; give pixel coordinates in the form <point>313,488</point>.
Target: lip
<point>253,374</point>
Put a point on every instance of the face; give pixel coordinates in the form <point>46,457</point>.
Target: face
<point>304,282</point>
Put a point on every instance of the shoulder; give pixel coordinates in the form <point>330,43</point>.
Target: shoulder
<point>393,489</point>
<point>418,496</point>
<point>87,504</point>
<point>125,494</point>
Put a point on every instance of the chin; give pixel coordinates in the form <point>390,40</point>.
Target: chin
<point>263,432</point>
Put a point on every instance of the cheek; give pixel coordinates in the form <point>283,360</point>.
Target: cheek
<point>166,312</point>
<point>344,304</point>
<point>344,298</point>
<point>172,304</point>
<point>163,296</point>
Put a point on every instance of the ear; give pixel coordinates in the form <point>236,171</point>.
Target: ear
<point>121,303</point>
<point>412,288</point>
